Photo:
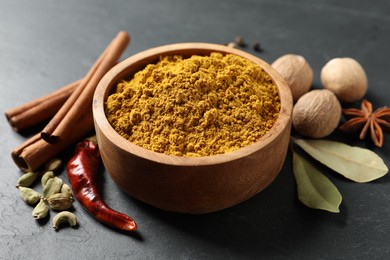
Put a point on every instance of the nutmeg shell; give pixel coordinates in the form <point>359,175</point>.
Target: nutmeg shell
<point>346,78</point>
<point>297,72</point>
<point>317,113</point>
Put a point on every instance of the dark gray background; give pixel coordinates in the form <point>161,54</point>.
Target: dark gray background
<point>47,44</point>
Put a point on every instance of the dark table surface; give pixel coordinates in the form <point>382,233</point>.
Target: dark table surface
<point>47,44</point>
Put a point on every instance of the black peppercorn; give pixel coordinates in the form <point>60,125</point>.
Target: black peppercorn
<point>257,47</point>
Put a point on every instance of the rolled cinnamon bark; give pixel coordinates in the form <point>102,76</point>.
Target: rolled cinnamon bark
<point>74,119</point>
<point>38,110</point>
<point>35,152</point>
<point>81,99</point>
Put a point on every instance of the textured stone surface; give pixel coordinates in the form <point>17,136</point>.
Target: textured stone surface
<point>46,44</point>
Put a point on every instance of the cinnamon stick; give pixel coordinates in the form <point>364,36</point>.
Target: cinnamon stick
<point>53,123</point>
<point>63,122</point>
<point>76,112</point>
<point>40,109</point>
<point>35,152</point>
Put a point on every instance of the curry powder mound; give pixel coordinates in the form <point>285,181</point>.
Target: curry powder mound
<point>199,106</point>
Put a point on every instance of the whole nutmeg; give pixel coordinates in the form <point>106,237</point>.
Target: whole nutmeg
<point>317,113</point>
<point>346,78</point>
<point>297,73</point>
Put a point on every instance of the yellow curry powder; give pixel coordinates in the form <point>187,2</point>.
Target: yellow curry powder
<point>199,106</point>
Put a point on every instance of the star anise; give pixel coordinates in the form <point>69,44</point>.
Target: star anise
<point>364,119</point>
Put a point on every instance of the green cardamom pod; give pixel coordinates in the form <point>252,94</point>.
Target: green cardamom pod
<point>29,195</point>
<point>53,164</point>
<point>64,217</point>
<point>46,176</point>
<point>52,186</point>
<point>41,210</point>
<point>59,201</point>
<point>27,179</point>
<point>65,189</point>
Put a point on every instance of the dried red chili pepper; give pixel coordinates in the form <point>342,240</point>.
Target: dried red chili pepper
<point>83,169</point>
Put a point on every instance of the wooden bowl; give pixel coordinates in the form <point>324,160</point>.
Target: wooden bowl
<point>190,184</point>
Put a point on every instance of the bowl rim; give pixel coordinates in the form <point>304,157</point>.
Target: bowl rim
<point>106,84</point>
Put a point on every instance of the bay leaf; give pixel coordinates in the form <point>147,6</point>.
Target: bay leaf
<point>355,163</point>
<point>315,190</point>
